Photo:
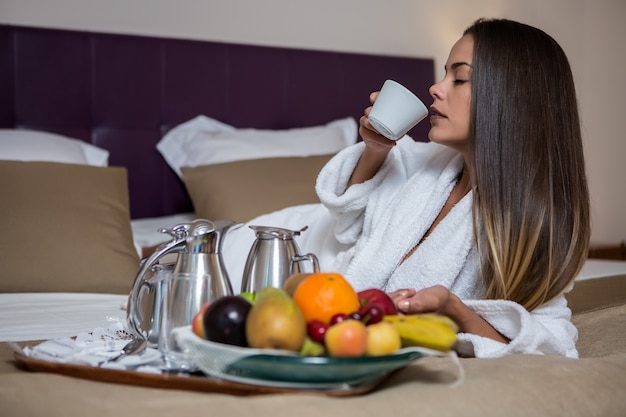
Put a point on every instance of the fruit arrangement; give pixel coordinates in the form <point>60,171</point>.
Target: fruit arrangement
<point>321,314</point>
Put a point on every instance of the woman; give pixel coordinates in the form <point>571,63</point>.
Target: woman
<point>489,222</point>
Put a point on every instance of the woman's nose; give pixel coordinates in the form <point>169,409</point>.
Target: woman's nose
<point>436,91</point>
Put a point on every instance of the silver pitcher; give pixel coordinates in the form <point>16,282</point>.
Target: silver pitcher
<point>274,257</point>
<point>198,249</point>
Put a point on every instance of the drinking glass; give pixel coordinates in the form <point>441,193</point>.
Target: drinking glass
<point>184,295</point>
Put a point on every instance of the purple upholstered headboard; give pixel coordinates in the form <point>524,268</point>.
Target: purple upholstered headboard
<point>122,93</point>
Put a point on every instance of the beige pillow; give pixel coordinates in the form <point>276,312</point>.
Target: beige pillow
<point>65,228</point>
<point>599,313</point>
<point>243,190</point>
<point>597,293</point>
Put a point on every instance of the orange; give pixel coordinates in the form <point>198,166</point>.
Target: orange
<point>322,295</point>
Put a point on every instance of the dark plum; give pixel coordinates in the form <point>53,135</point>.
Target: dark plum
<point>225,320</point>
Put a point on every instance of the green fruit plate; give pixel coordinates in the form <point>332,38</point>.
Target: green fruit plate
<point>287,369</point>
<point>319,369</point>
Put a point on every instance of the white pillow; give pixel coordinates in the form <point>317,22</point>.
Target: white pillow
<point>31,145</point>
<point>205,141</point>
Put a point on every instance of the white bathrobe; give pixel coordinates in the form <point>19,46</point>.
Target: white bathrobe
<point>382,219</point>
<point>364,232</point>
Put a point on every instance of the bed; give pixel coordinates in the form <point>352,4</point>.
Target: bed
<point>104,105</point>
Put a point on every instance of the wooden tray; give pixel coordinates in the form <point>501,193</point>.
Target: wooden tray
<point>185,382</point>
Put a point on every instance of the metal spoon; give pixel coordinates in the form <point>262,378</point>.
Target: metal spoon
<point>134,347</point>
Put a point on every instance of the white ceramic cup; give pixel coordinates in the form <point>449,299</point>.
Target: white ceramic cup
<point>396,110</point>
<point>184,295</point>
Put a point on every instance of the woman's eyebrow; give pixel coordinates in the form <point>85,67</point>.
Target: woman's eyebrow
<point>456,65</point>
<point>459,64</point>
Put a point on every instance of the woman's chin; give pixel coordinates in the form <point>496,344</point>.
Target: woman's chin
<point>461,145</point>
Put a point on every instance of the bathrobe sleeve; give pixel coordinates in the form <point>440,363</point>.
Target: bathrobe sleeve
<point>348,205</point>
<point>546,330</point>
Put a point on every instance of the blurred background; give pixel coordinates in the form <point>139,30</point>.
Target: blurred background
<point>591,32</point>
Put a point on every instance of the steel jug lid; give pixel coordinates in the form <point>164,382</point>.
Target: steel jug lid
<point>268,232</point>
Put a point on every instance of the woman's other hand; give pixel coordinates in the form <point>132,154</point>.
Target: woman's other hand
<point>440,300</point>
<point>428,300</point>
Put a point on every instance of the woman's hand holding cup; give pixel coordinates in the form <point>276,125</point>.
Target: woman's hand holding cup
<point>395,110</point>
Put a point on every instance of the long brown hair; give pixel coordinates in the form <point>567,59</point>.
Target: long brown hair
<point>531,201</point>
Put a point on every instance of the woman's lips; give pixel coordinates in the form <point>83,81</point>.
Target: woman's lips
<point>435,114</point>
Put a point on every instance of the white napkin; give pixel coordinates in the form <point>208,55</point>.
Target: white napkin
<point>95,348</point>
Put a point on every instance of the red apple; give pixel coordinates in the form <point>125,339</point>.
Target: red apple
<point>374,296</point>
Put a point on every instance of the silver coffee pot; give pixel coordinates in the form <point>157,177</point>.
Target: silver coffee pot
<point>198,248</point>
<point>273,257</point>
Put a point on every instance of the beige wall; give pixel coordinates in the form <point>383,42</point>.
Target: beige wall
<point>590,31</point>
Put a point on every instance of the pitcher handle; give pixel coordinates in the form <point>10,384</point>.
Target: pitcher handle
<point>307,257</point>
<point>145,265</point>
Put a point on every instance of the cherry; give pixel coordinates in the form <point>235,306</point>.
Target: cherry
<point>355,316</point>
<point>338,318</point>
<point>373,314</point>
<point>316,330</point>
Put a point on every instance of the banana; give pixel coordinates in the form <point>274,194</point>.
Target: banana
<point>428,330</point>
<point>438,318</point>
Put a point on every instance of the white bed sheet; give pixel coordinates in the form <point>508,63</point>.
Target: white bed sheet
<point>599,268</point>
<point>42,316</point>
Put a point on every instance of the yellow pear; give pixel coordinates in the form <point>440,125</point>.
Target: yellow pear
<point>275,322</point>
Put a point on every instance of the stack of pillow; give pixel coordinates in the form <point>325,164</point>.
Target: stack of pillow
<point>238,174</point>
<point>65,216</point>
